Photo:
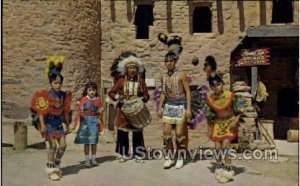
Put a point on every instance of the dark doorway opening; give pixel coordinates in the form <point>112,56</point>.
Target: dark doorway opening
<point>202,20</point>
<point>143,19</point>
<point>282,11</point>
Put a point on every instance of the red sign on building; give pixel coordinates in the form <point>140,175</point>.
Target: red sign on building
<point>253,57</point>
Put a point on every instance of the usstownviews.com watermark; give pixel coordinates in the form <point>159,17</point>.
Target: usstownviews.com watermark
<point>206,154</point>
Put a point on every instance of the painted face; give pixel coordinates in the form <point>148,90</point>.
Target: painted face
<point>91,92</point>
<point>170,64</point>
<point>132,71</point>
<point>56,85</point>
<point>217,88</point>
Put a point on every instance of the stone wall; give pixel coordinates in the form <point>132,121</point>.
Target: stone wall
<point>32,31</point>
<point>230,20</point>
<point>91,33</point>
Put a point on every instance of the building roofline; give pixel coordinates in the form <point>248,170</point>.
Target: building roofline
<point>273,31</point>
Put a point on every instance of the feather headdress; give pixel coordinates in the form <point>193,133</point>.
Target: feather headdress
<point>125,60</point>
<point>173,43</point>
<point>54,67</point>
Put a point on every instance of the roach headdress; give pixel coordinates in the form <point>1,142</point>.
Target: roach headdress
<point>54,68</point>
<point>173,43</point>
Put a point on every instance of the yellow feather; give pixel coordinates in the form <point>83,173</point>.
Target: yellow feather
<point>61,59</point>
<point>56,61</point>
<point>51,58</point>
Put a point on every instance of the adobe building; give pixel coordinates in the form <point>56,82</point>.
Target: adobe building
<point>91,33</point>
<point>275,49</point>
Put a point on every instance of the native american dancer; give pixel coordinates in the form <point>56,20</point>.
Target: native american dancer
<point>131,92</point>
<point>223,120</point>
<point>53,108</point>
<point>175,102</point>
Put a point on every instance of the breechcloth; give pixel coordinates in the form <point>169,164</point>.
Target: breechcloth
<point>174,111</point>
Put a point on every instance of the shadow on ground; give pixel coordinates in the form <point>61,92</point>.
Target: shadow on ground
<point>40,145</point>
<point>237,170</point>
<point>6,145</point>
<point>74,169</point>
<point>192,156</point>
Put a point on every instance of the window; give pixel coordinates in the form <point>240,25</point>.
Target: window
<point>143,19</point>
<point>202,20</point>
<point>142,32</point>
<point>282,11</point>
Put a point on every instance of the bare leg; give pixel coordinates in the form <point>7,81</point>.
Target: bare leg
<point>52,169</point>
<point>53,147</point>
<point>62,147</point>
<point>228,172</point>
<point>168,145</point>
<point>186,134</point>
<point>87,155</point>
<point>167,129</point>
<point>218,147</point>
<point>180,138</point>
<point>220,166</point>
<point>94,149</point>
<point>226,147</point>
<point>181,145</point>
<point>60,152</point>
<point>86,149</point>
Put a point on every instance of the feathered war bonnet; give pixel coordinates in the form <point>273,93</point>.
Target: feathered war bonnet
<point>173,44</point>
<point>54,68</point>
<point>125,60</point>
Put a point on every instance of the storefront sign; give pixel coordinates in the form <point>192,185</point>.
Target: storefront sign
<point>253,57</point>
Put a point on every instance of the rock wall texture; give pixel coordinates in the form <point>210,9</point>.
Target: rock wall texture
<point>230,20</point>
<point>34,30</point>
<point>91,33</point>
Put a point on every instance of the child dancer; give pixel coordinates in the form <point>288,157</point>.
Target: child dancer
<point>90,115</point>
<point>223,119</point>
<point>52,106</point>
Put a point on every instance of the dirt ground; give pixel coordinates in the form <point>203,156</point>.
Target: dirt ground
<point>28,167</point>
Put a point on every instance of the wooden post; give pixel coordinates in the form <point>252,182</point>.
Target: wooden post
<point>254,75</point>
<point>20,136</point>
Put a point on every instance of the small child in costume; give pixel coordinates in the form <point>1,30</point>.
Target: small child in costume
<point>89,114</point>
<point>223,119</point>
<point>53,108</point>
